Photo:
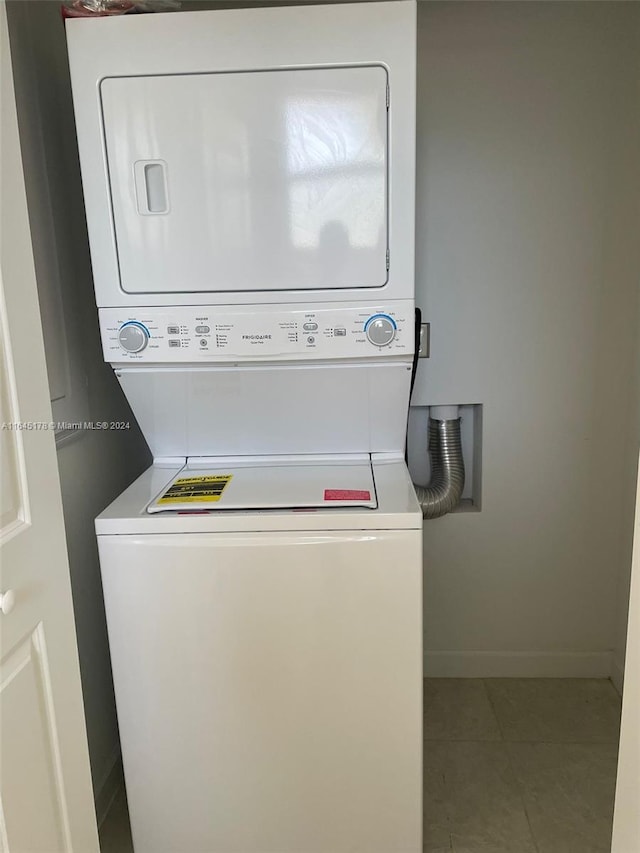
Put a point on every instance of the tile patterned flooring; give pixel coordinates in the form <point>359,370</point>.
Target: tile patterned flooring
<point>519,765</point>
<point>512,765</point>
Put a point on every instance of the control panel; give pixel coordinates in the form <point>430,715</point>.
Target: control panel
<point>258,333</point>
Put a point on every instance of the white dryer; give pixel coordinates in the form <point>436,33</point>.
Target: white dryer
<point>249,157</point>
<point>249,187</point>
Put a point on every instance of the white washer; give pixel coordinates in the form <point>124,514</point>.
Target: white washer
<point>268,666</point>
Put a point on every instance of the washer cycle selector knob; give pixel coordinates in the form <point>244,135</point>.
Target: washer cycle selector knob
<point>133,337</point>
<point>380,330</point>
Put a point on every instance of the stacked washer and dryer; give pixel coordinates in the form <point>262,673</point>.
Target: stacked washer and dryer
<point>249,188</point>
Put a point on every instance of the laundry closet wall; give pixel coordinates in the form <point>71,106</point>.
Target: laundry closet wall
<point>528,270</point>
<point>95,466</point>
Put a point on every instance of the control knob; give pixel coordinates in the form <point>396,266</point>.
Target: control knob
<point>133,337</point>
<point>380,330</point>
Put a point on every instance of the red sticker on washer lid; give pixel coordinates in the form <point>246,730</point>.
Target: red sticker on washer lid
<point>347,495</point>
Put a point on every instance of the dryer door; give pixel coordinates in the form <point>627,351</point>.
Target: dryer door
<point>252,181</point>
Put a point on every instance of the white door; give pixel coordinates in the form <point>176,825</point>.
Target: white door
<point>252,181</point>
<point>45,784</point>
<point>626,819</point>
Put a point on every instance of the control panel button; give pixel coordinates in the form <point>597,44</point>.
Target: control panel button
<point>203,330</point>
<point>133,337</point>
<point>311,339</point>
<point>203,343</point>
<point>173,330</point>
<point>174,343</point>
<point>380,330</point>
<point>310,327</point>
<point>340,333</point>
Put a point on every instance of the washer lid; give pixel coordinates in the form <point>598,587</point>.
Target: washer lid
<point>397,509</point>
<point>269,483</point>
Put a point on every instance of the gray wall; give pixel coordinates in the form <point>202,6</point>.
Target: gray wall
<point>528,267</point>
<point>95,466</point>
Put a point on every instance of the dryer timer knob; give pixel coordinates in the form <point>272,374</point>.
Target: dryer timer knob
<point>133,337</point>
<point>380,330</point>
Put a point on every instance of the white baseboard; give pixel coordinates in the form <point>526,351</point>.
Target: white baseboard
<point>109,787</point>
<point>517,664</point>
<point>617,672</point>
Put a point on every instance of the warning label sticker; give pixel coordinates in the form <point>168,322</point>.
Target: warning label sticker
<point>206,489</point>
<point>347,495</point>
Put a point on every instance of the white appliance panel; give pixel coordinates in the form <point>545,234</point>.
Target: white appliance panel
<point>169,100</point>
<point>260,333</point>
<point>195,410</point>
<point>269,689</point>
<point>253,181</point>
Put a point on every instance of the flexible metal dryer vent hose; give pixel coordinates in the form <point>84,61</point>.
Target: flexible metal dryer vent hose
<point>444,490</point>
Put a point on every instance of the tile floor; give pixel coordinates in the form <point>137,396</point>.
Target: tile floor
<point>511,766</point>
<point>519,765</point>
